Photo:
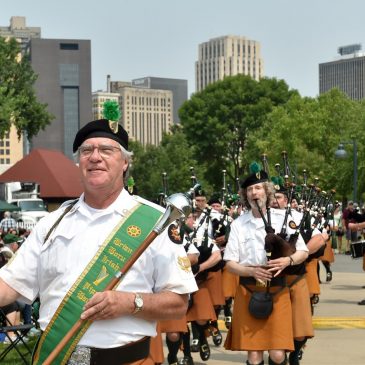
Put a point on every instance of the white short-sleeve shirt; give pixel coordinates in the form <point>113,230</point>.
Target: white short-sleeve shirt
<point>246,242</point>
<point>48,270</point>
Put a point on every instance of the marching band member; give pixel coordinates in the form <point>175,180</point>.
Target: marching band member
<point>246,256</point>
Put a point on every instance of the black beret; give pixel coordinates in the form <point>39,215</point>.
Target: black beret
<point>100,128</point>
<point>214,199</point>
<point>255,178</point>
<point>200,192</point>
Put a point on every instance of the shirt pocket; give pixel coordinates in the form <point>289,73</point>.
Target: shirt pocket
<point>55,256</point>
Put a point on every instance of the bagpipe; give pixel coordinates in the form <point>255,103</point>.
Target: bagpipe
<point>162,196</point>
<point>316,205</point>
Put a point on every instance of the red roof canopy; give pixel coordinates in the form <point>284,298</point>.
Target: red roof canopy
<point>57,175</point>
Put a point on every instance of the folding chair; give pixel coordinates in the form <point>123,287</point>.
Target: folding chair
<point>20,332</point>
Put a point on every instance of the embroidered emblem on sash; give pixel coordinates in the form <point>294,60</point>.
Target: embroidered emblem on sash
<point>134,231</point>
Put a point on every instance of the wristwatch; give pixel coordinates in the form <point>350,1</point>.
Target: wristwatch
<point>138,303</point>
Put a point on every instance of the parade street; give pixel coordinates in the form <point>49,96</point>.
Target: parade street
<point>339,322</point>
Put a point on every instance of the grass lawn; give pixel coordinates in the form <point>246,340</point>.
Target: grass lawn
<point>13,358</point>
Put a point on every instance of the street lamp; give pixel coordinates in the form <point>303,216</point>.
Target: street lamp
<point>341,153</point>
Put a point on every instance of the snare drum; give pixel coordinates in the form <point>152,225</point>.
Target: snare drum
<point>357,249</point>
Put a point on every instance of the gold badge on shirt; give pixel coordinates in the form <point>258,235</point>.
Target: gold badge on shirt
<point>292,225</point>
<point>184,263</point>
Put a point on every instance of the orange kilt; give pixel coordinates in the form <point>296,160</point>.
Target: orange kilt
<point>328,253</point>
<point>156,348</point>
<point>249,334</point>
<point>230,282</point>
<point>301,307</point>
<point>202,308</point>
<point>214,284</point>
<point>174,325</point>
<point>312,277</point>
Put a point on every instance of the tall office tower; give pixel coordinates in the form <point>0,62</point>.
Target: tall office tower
<point>64,83</point>
<point>146,113</point>
<point>227,56</point>
<point>20,31</point>
<point>98,99</point>
<point>178,87</point>
<point>346,73</point>
<point>11,149</point>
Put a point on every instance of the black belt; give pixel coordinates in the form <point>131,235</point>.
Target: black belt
<point>121,355</point>
<point>249,280</point>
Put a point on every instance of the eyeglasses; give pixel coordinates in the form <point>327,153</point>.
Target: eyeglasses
<point>104,150</point>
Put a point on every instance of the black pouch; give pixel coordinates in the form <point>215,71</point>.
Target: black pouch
<point>261,304</point>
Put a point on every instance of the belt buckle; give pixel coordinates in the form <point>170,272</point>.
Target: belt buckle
<point>261,283</point>
<point>80,356</point>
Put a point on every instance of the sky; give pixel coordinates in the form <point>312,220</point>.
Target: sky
<point>137,38</point>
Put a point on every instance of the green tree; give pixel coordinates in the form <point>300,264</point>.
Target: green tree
<point>18,102</point>
<point>219,120</point>
<point>310,130</point>
<point>174,156</point>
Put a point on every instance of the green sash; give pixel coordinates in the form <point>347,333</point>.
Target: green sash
<point>122,242</point>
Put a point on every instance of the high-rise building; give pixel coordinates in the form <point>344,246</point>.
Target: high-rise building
<point>98,100</point>
<point>178,87</point>
<point>227,56</point>
<point>18,29</point>
<point>63,67</point>
<point>146,113</point>
<point>11,149</point>
<point>347,73</point>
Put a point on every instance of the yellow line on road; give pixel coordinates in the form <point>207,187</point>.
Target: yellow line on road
<point>338,322</point>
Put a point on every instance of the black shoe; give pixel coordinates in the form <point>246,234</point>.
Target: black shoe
<point>293,359</point>
<point>194,347</point>
<point>315,299</point>
<point>347,253</point>
<point>172,360</point>
<point>329,276</point>
<point>228,322</point>
<point>186,360</point>
<point>362,302</point>
<point>217,337</point>
<point>204,351</point>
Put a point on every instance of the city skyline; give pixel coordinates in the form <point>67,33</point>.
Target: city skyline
<point>134,39</point>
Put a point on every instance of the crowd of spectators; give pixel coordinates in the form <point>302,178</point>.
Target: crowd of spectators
<point>11,238</point>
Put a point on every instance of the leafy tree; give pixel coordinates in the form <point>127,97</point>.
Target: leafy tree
<point>219,120</point>
<point>18,102</point>
<point>173,156</point>
<point>310,130</point>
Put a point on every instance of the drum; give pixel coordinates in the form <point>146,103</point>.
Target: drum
<point>357,249</point>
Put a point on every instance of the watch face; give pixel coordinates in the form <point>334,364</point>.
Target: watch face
<point>139,302</point>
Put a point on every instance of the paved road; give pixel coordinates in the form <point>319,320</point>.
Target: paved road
<point>339,322</point>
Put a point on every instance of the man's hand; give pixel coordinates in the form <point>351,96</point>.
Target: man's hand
<point>107,305</point>
<point>278,265</point>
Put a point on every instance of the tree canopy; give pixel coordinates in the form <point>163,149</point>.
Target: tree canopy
<point>173,156</point>
<point>218,120</point>
<point>18,102</point>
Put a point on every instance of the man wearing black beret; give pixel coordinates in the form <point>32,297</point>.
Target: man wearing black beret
<point>253,329</point>
<point>72,254</point>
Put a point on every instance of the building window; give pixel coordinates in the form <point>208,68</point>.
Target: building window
<point>69,46</point>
